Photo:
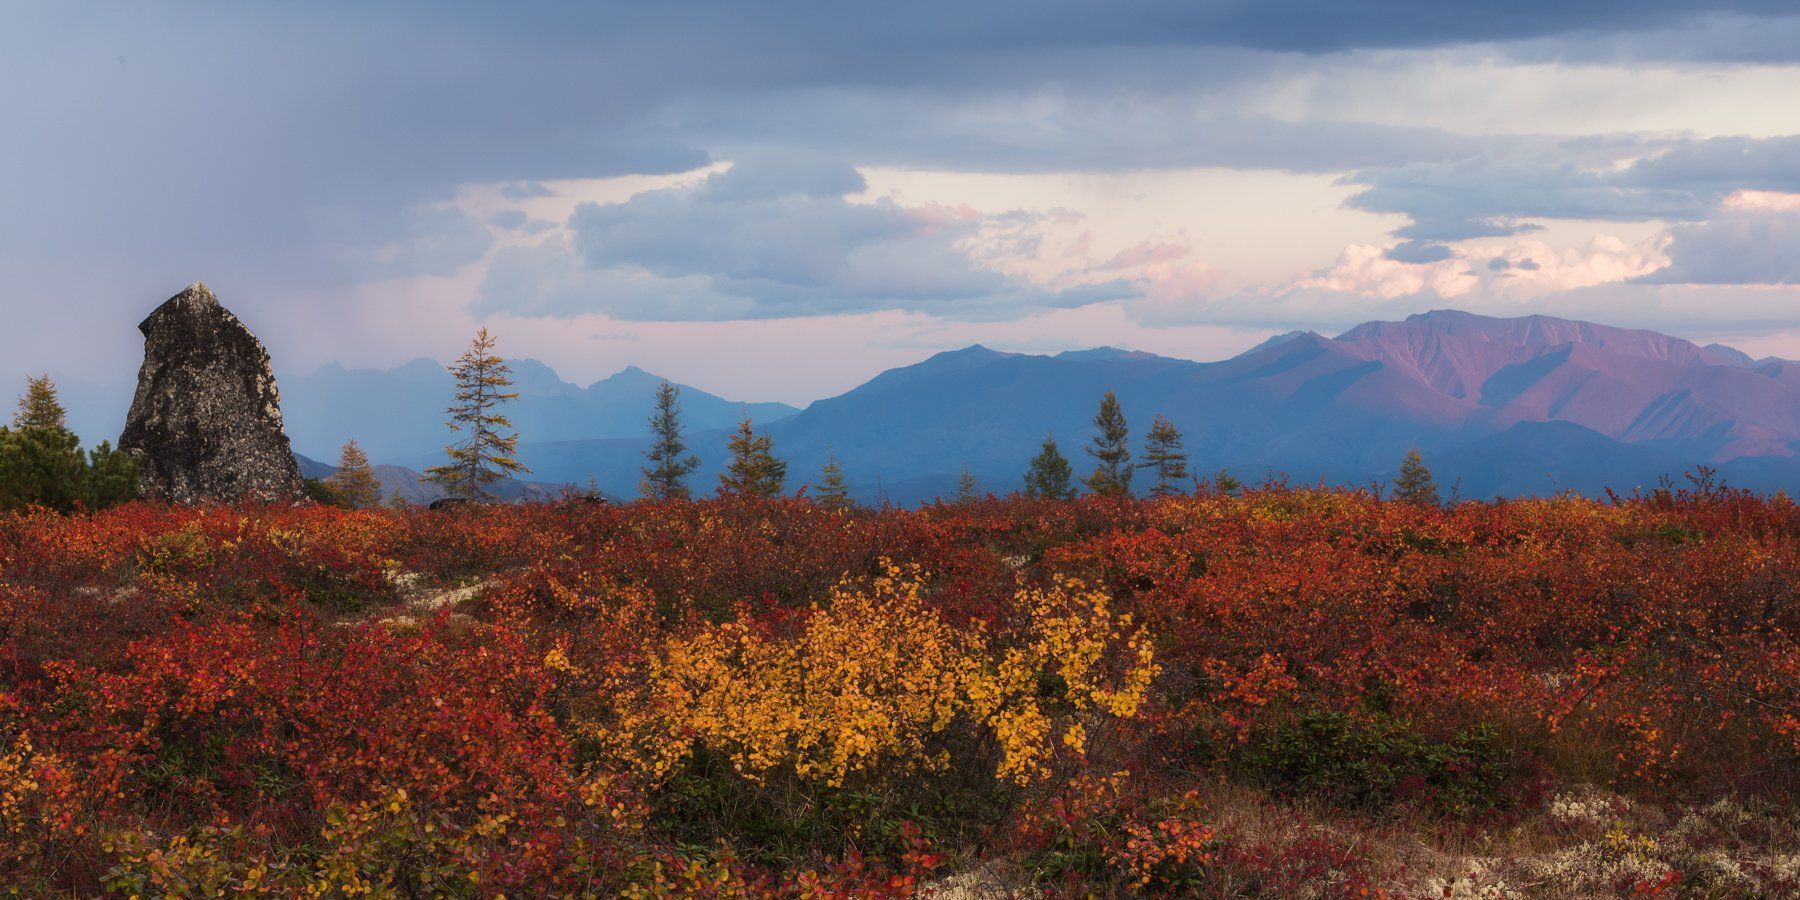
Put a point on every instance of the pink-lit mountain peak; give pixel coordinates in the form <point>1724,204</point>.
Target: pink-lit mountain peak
<point>1458,352</point>
<point>1628,384</point>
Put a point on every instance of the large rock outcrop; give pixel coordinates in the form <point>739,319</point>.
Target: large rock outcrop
<point>206,421</point>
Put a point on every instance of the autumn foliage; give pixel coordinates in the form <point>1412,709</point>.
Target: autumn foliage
<point>751,697</point>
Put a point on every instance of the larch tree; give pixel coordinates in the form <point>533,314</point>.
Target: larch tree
<point>834,490</point>
<point>354,483</point>
<point>670,462</point>
<point>1111,451</point>
<point>967,487</point>
<point>39,409</point>
<point>754,470</point>
<point>1164,456</point>
<point>1415,484</point>
<point>1050,477</point>
<point>486,455</point>
<point>1227,483</point>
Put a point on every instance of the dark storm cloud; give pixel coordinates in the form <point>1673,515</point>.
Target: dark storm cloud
<point>187,139</point>
<point>882,40</point>
<point>300,146</point>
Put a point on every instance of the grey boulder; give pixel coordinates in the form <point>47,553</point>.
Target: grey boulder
<point>206,421</point>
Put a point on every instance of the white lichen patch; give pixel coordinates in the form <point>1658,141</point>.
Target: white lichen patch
<point>1588,807</point>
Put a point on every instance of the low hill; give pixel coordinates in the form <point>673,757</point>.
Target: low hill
<point>411,486</point>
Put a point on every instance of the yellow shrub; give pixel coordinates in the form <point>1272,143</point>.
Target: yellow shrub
<point>868,681</point>
<point>18,788</point>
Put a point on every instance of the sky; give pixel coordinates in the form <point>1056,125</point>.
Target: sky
<point>775,201</point>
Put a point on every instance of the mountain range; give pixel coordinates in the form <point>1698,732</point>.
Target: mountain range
<point>1515,406</point>
<point>1508,406</point>
<point>399,413</point>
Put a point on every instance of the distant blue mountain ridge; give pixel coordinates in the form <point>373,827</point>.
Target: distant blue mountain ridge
<point>1527,406</point>
<point>1514,406</point>
<point>399,413</point>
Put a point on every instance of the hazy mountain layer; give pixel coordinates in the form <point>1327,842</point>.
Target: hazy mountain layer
<point>1527,405</point>
<point>399,413</point>
<point>1512,406</point>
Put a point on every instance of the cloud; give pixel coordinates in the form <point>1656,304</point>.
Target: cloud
<point>772,177</point>
<point>1056,128</point>
<point>1717,166</point>
<point>1491,195</point>
<point>1418,252</point>
<point>1697,312</point>
<point>325,143</point>
<point>508,219</point>
<point>1296,25</point>
<point>417,241</point>
<point>1746,244</point>
<point>767,238</point>
<point>181,159</point>
<point>1142,254</point>
<point>549,280</point>
<point>525,190</point>
<point>1615,180</point>
<point>1366,282</point>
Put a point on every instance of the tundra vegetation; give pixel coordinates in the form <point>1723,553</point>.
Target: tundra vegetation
<point>1243,691</point>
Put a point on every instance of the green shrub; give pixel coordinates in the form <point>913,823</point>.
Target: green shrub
<point>781,819</point>
<point>1372,762</point>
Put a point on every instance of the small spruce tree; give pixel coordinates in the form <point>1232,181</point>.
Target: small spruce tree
<point>41,463</point>
<point>112,477</point>
<point>14,492</point>
<point>1164,456</point>
<point>670,463</point>
<point>486,456</point>
<point>1415,484</point>
<point>754,469</point>
<point>354,481</point>
<point>1111,450</point>
<point>1050,475</point>
<point>834,491</point>
<point>966,487</point>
